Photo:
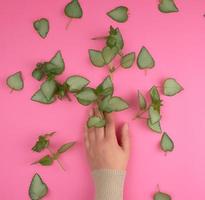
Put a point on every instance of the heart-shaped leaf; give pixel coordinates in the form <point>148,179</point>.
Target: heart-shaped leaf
<point>167,6</point>
<point>37,189</point>
<point>76,83</point>
<point>171,87</point>
<point>154,93</point>
<point>105,88</point>
<point>40,97</point>
<point>73,9</point>
<point>109,53</point>
<point>49,88</point>
<point>104,104</point>
<point>166,143</point>
<point>161,196</point>
<point>142,101</point>
<point>42,27</point>
<point>119,14</point>
<point>154,115</point>
<point>15,81</point>
<point>65,147</point>
<point>45,161</point>
<point>86,96</point>
<point>96,58</point>
<point>41,144</point>
<point>144,59</point>
<point>56,65</point>
<point>38,74</point>
<point>154,127</point>
<point>128,60</point>
<point>96,122</point>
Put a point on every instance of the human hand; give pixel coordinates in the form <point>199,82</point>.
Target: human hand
<point>102,147</point>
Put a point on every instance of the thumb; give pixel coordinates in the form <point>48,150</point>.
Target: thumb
<point>125,138</point>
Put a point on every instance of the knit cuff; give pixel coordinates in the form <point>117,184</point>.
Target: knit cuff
<point>109,184</point>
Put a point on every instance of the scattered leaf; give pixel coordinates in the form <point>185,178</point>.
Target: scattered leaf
<point>96,58</point>
<point>40,97</point>
<point>154,115</point>
<point>15,81</point>
<point>128,60</point>
<point>42,27</point>
<point>86,96</point>
<point>171,87</point>
<point>144,59</point>
<point>155,97</point>
<point>41,144</point>
<point>73,9</point>
<point>109,53</point>
<point>142,101</point>
<point>105,88</point>
<point>96,122</point>
<point>37,189</point>
<point>119,14</point>
<point>167,6</point>
<point>161,196</point>
<point>38,74</point>
<point>154,127</point>
<point>166,143</point>
<point>49,88</point>
<point>115,38</point>
<point>46,160</point>
<point>65,147</point>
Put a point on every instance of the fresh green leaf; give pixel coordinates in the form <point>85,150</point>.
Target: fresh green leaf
<point>15,81</point>
<point>86,96</point>
<point>154,115</point>
<point>73,9</point>
<point>40,97</point>
<point>104,104</point>
<point>38,74</point>
<point>42,27</point>
<point>37,189</point>
<point>144,59</point>
<point>166,143</point>
<point>161,196</point>
<point>171,87</point>
<point>95,121</point>
<point>96,58</point>
<point>109,53</point>
<point>46,160</point>
<point>76,83</point>
<point>154,93</point>
<point>105,88</point>
<point>49,88</point>
<point>119,14</point>
<point>154,127</point>
<point>65,147</point>
<point>56,65</point>
<point>167,6</point>
<point>142,101</point>
<point>41,144</point>
<point>128,60</point>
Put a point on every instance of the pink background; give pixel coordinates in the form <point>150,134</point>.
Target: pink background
<point>176,41</point>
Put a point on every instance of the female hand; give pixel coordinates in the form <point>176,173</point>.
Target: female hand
<point>102,147</point>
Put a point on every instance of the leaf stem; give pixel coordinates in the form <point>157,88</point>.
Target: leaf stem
<point>139,115</point>
<point>60,164</point>
<point>99,38</point>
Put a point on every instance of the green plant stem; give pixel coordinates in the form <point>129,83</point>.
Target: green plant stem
<point>60,164</point>
<point>139,115</point>
<point>99,38</point>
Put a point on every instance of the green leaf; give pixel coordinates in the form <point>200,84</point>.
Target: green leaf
<point>73,9</point>
<point>144,59</point>
<point>41,144</point>
<point>154,115</point>
<point>105,88</point>
<point>96,58</point>
<point>37,189</point>
<point>109,53</point>
<point>56,65</point>
<point>161,196</point>
<point>15,81</point>
<point>154,127</point>
<point>38,74</point>
<point>96,122</point>
<point>76,83</point>
<point>154,93</point>
<point>49,88</point>
<point>171,87</point>
<point>128,60</point>
<point>167,6</point>
<point>46,160</point>
<point>104,104</point>
<point>166,143</point>
<point>142,101</point>
<point>65,147</point>
<point>40,97</point>
<point>42,27</point>
<point>86,96</point>
<point>119,14</point>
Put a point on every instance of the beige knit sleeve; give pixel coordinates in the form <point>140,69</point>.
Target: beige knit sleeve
<point>109,184</point>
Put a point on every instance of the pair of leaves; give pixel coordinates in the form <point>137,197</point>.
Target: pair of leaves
<point>161,196</point>
<point>119,14</point>
<point>15,81</point>
<point>42,27</point>
<point>167,6</point>
<point>166,143</point>
<point>73,9</point>
<point>37,189</point>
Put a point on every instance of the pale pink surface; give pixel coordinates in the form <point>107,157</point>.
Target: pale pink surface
<point>176,41</point>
